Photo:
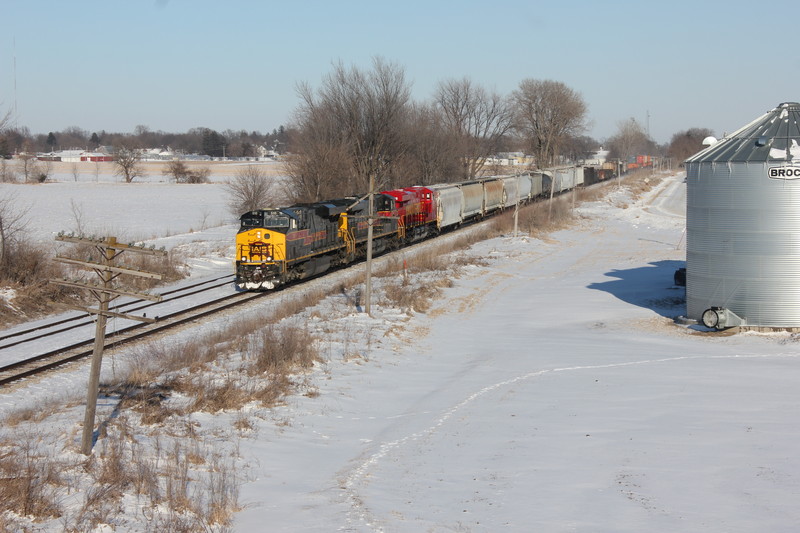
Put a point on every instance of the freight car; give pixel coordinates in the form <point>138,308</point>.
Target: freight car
<point>281,245</point>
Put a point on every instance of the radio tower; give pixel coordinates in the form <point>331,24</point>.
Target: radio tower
<point>14,112</point>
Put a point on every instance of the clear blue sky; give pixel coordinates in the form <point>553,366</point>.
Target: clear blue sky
<point>172,65</point>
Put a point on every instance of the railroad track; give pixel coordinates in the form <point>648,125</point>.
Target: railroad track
<point>80,350</point>
<point>23,336</point>
<point>43,362</point>
<point>61,356</point>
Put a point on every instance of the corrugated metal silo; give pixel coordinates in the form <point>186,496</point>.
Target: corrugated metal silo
<point>743,225</point>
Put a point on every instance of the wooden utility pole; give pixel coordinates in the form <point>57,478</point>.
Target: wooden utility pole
<point>109,249</point>
<point>370,222</point>
<point>516,207</point>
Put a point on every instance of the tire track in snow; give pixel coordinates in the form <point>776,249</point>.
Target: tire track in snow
<point>359,513</point>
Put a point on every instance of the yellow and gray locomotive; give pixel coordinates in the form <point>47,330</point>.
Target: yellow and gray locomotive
<point>280,245</point>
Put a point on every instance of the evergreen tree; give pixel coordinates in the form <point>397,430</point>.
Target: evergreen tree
<point>5,148</point>
<point>213,144</point>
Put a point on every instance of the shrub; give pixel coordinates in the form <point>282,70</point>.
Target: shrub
<point>182,173</point>
<point>29,480</point>
<point>276,350</point>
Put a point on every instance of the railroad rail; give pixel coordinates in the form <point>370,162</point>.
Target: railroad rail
<point>16,338</point>
<point>37,364</point>
<point>55,358</point>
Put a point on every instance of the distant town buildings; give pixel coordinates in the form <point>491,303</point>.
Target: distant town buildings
<point>106,153</point>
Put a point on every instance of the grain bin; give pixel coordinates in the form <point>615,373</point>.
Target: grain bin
<point>743,226</point>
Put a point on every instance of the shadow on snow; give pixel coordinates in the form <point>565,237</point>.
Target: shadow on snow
<point>651,287</point>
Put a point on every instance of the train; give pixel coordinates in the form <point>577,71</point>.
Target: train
<point>276,246</point>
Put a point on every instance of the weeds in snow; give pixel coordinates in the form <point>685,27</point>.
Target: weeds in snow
<point>152,455</point>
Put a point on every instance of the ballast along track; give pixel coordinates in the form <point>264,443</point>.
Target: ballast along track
<point>55,358</point>
<point>52,359</point>
<point>53,328</point>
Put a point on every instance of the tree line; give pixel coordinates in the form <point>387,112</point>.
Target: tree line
<point>360,123</point>
<point>203,141</point>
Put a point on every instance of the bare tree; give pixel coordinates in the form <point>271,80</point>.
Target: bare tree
<point>684,144</point>
<point>73,137</point>
<point>433,155</point>
<point>476,118</point>
<point>42,171</point>
<point>12,224</point>
<point>25,164</point>
<point>249,190</point>
<point>77,216</point>
<point>547,114</point>
<point>126,164</point>
<point>5,121</point>
<point>630,140</point>
<point>579,148</point>
<point>352,125</point>
<point>320,168</point>
<point>7,173</point>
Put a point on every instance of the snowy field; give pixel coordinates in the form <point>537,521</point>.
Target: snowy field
<point>95,200</point>
<point>549,390</point>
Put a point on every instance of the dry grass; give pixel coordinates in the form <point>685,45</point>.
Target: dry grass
<point>31,415</point>
<point>184,486</point>
<point>595,193</point>
<point>412,298</point>
<point>641,182</point>
<point>30,268</point>
<point>171,267</point>
<point>255,360</point>
<point>269,355</point>
<point>543,218</point>
<point>211,394</point>
<point>29,479</point>
<point>430,260</point>
<point>281,350</point>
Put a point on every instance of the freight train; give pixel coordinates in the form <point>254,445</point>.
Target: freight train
<point>279,245</point>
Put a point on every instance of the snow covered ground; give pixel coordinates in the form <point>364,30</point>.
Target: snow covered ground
<point>549,390</point>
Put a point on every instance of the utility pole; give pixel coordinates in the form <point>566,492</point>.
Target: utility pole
<point>109,249</point>
<point>516,208</point>
<point>370,222</point>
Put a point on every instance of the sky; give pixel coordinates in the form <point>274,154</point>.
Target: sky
<point>172,65</point>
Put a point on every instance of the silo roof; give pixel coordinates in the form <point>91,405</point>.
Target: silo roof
<point>773,137</point>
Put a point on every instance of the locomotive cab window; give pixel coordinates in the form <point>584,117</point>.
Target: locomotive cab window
<point>252,220</point>
<point>273,220</point>
<point>384,203</point>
